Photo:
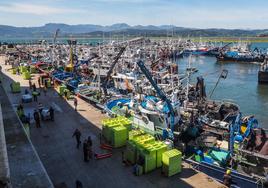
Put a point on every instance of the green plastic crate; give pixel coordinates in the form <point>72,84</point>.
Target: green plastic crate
<point>160,149</point>
<point>23,69</point>
<point>68,93</point>
<point>119,136</point>
<point>130,156</point>
<point>134,133</point>
<point>107,130</point>
<point>171,161</point>
<point>14,71</point>
<point>61,89</point>
<point>150,161</point>
<point>131,151</point>
<point>168,172</point>
<point>15,87</point>
<point>26,75</point>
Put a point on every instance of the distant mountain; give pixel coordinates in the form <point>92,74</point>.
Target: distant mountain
<point>121,29</point>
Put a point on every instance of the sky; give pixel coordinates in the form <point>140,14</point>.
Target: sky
<point>241,14</point>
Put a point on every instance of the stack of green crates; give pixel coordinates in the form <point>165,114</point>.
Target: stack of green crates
<point>171,162</point>
<point>61,89</point>
<point>115,130</point>
<point>14,71</point>
<point>15,87</point>
<point>134,133</point>
<point>149,154</point>
<point>130,152</point>
<point>23,69</point>
<point>141,145</point>
<point>68,93</point>
<point>26,75</point>
<point>107,130</point>
<point>160,148</point>
<point>119,136</point>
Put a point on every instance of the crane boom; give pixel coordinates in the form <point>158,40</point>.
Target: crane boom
<point>116,59</point>
<point>159,92</point>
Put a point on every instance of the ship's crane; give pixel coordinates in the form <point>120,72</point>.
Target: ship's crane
<point>116,59</point>
<point>159,92</point>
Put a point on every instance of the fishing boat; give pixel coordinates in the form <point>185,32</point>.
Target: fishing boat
<point>240,57</point>
<point>263,73</point>
<point>241,53</point>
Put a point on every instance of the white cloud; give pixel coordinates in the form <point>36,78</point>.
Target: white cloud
<point>35,9</point>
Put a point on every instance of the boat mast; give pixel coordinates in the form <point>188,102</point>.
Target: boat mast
<point>99,69</point>
<point>188,81</point>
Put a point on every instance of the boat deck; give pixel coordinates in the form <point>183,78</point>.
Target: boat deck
<point>64,163</point>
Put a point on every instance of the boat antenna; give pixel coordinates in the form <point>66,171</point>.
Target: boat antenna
<point>223,75</point>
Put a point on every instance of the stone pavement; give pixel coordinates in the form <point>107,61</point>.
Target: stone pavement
<point>26,169</point>
<point>64,163</point>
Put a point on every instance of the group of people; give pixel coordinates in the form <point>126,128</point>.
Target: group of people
<point>32,87</point>
<point>38,113</point>
<point>87,144</point>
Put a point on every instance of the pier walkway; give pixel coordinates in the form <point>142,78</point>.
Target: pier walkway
<point>26,169</point>
<point>64,163</point>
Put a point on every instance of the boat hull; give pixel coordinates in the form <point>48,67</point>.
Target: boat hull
<point>263,77</point>
<point>216,172</point>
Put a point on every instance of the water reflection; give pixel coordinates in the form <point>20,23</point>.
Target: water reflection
<point>241,84</point>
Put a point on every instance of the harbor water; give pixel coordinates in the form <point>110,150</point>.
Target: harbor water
<point>241,85</point>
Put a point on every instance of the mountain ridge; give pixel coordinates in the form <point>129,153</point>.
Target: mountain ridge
<point>49,29</point>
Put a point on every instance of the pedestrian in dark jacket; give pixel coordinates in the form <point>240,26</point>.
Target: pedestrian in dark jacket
<point>34,87</point>
<point>37,119</point>
<point>78,184</point>
<point>51,113</point>
<point>39,82</point>
<point>89,145</point>
<point>77,135</point>
<point>30,84</point>
<point>75,104</point>
<point>85,150</point>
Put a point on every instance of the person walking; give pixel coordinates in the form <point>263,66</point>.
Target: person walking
<point>77,135</point>
<point>78,184</point>
<point>37,119</point>
<point>34,94</point>
<point>39,82</point>
<point>34,87</point>
<point>85,150</point>
<point>75,104</point>
<point>30,84</point>
<point>89,146</point>
<point>51,113</point>
<point>45,83</point>
<point>45,90</point>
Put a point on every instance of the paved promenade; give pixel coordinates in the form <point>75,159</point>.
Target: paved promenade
<point>64,163</point>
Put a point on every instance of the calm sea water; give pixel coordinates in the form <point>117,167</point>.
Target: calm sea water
<point>241,85</point>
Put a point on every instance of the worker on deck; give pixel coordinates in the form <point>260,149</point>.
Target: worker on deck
<point>227,179</point>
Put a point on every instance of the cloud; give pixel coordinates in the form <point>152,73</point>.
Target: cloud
<point>128,1</point>
<point>35,9</point>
